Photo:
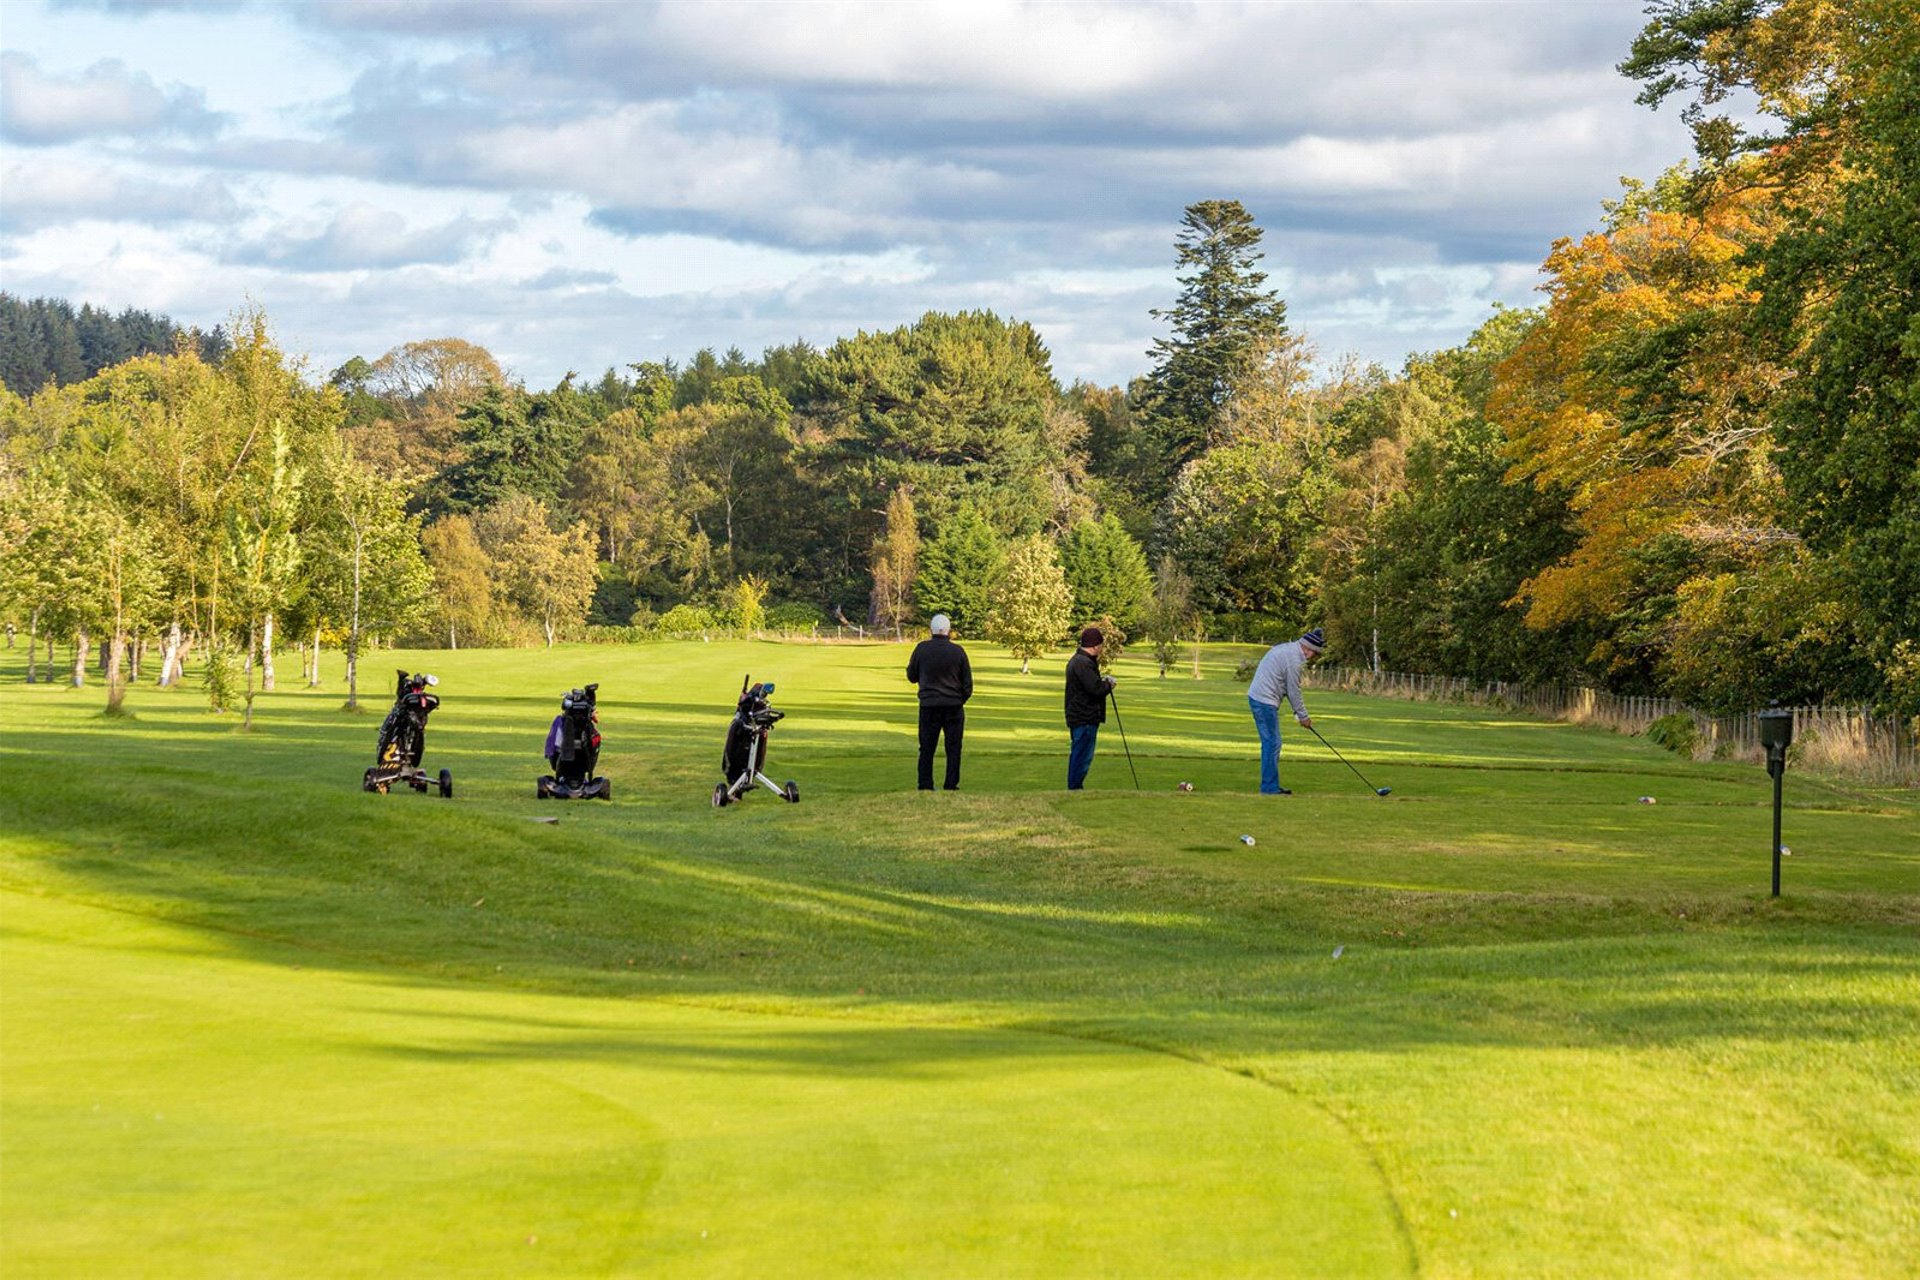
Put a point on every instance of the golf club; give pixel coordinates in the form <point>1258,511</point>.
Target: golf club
<point>1122,726</point>
<point>1379,791</point>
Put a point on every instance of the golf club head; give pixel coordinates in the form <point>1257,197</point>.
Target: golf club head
<point>1383,791</point>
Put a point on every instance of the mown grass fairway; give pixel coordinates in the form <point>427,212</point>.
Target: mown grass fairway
<point>254,1022</point>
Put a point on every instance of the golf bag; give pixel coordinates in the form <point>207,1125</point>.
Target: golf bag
<point>744,759</point>
<point>403,738</point>
<point>573,750</point>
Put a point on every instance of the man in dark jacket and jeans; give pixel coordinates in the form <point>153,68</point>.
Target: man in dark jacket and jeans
<point>940,668</point>
<point>1086,705</point>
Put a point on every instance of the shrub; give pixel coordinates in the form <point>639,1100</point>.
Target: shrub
<point>1244,669</point>
<point>687,620</point>
<point>793,616</point>
<point>1677,733</point>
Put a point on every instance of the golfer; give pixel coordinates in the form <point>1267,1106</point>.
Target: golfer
<point>940,668</point>
<point>1086,705</point>
<point>1278,675</point>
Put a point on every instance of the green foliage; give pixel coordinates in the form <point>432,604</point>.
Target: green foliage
<point>1107,572</point>
<point>1031,604</point>
<point>744,605</point>
<point>512,444</point>
<point>958,570</point>
<point>1220,319</point>
<point>954,405</point>
<point>1676,732</point>
<point>688,620</point>
<point>1840,291</point>
<point>1241,519</point>
<point>793,618</point>
<point>47,342</point>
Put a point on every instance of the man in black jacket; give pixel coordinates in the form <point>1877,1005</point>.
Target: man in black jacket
<point>940,668</point>
<point>1086,705</point>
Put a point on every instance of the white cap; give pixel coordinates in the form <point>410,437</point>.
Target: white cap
<point>941,624</point>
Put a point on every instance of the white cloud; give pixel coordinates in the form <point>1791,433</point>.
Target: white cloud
<point>52,192</point>
<point>361,237</point>
<point>107,99</point>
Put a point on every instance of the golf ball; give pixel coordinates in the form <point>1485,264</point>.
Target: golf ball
<point>1648,800</point>
<point>1186,786</point>
<point>1246,839</point>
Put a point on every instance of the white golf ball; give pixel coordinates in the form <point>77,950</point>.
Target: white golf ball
<point>1246,839</point>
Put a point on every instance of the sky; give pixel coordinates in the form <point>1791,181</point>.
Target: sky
<point>578,185</point>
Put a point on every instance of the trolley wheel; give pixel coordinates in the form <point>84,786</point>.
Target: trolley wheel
<point>606,789</point>
<point>720,795</point>
<point>792,791</point>
<point>543,789</point>
<point>367,783</point>
<point>446,784</point>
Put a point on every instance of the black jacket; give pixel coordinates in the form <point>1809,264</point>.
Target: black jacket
<point>1086,690</point>
<point>940,668</point>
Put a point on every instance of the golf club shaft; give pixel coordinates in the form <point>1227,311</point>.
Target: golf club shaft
<point>1122,726</point>
<point>1343,760</point>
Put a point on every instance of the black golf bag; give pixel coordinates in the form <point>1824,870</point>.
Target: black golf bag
<point>403,739</point>
<point>573,750</point>
<point>744,759</point>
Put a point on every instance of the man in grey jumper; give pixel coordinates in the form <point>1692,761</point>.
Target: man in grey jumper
<point>1278,675</point>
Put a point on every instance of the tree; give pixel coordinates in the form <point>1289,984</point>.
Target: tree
<point>1032,606</point>
<point>427,383</point>
<point>1107,572</point>
<point>896,560</point>
<point>1841,293</point>
<point>1173,615</point>
<point>958,570</point>
<point>955,405</point>
<point>512,444</point>
<point>263,551</point>
<point>1241,518</point>
<point>1220,319</point>
<point>370,572</point>
<point>462,579</point>
<point>548,575</point>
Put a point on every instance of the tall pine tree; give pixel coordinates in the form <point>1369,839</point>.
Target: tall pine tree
<point>1221,318</point>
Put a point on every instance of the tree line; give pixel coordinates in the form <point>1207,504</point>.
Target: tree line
<point>1694,469</point>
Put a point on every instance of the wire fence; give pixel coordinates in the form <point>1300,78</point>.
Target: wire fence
<point>1855,741</point>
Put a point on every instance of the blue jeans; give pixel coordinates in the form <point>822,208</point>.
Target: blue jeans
<point>1267,720</point>
<point>1080,756</point>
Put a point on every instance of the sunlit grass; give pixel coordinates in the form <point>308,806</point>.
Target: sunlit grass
<point>1566,1032</point>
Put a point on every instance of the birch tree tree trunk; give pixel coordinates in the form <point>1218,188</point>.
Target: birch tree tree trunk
<point>80,658</point>
<point>313,672</point>
<point>170,657</point>
<point>33,646</point>
<point>266,656</point>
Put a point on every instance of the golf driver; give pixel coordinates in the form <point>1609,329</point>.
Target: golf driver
<point>1122,726</point>
<point>1379,791</point>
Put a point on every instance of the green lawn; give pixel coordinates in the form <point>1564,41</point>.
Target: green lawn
<point>255,1022</point>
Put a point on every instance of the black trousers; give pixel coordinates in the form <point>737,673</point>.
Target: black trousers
<point>934,721</point>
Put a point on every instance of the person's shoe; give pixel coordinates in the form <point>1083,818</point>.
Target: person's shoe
<point>1282,792</point>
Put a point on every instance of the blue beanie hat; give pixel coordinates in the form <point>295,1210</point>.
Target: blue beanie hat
<point>1315,639</point>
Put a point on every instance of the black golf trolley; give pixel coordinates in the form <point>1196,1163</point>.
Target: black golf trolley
<point>573,749</point>
<point>746,750</point>
<point>403,737</point>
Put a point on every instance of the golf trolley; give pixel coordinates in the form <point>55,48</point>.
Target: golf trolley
<point>573,749</point>
<point>403,737</point>
<point>746,749</point>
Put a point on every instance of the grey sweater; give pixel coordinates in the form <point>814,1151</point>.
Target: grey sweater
<point>1279,673</point>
